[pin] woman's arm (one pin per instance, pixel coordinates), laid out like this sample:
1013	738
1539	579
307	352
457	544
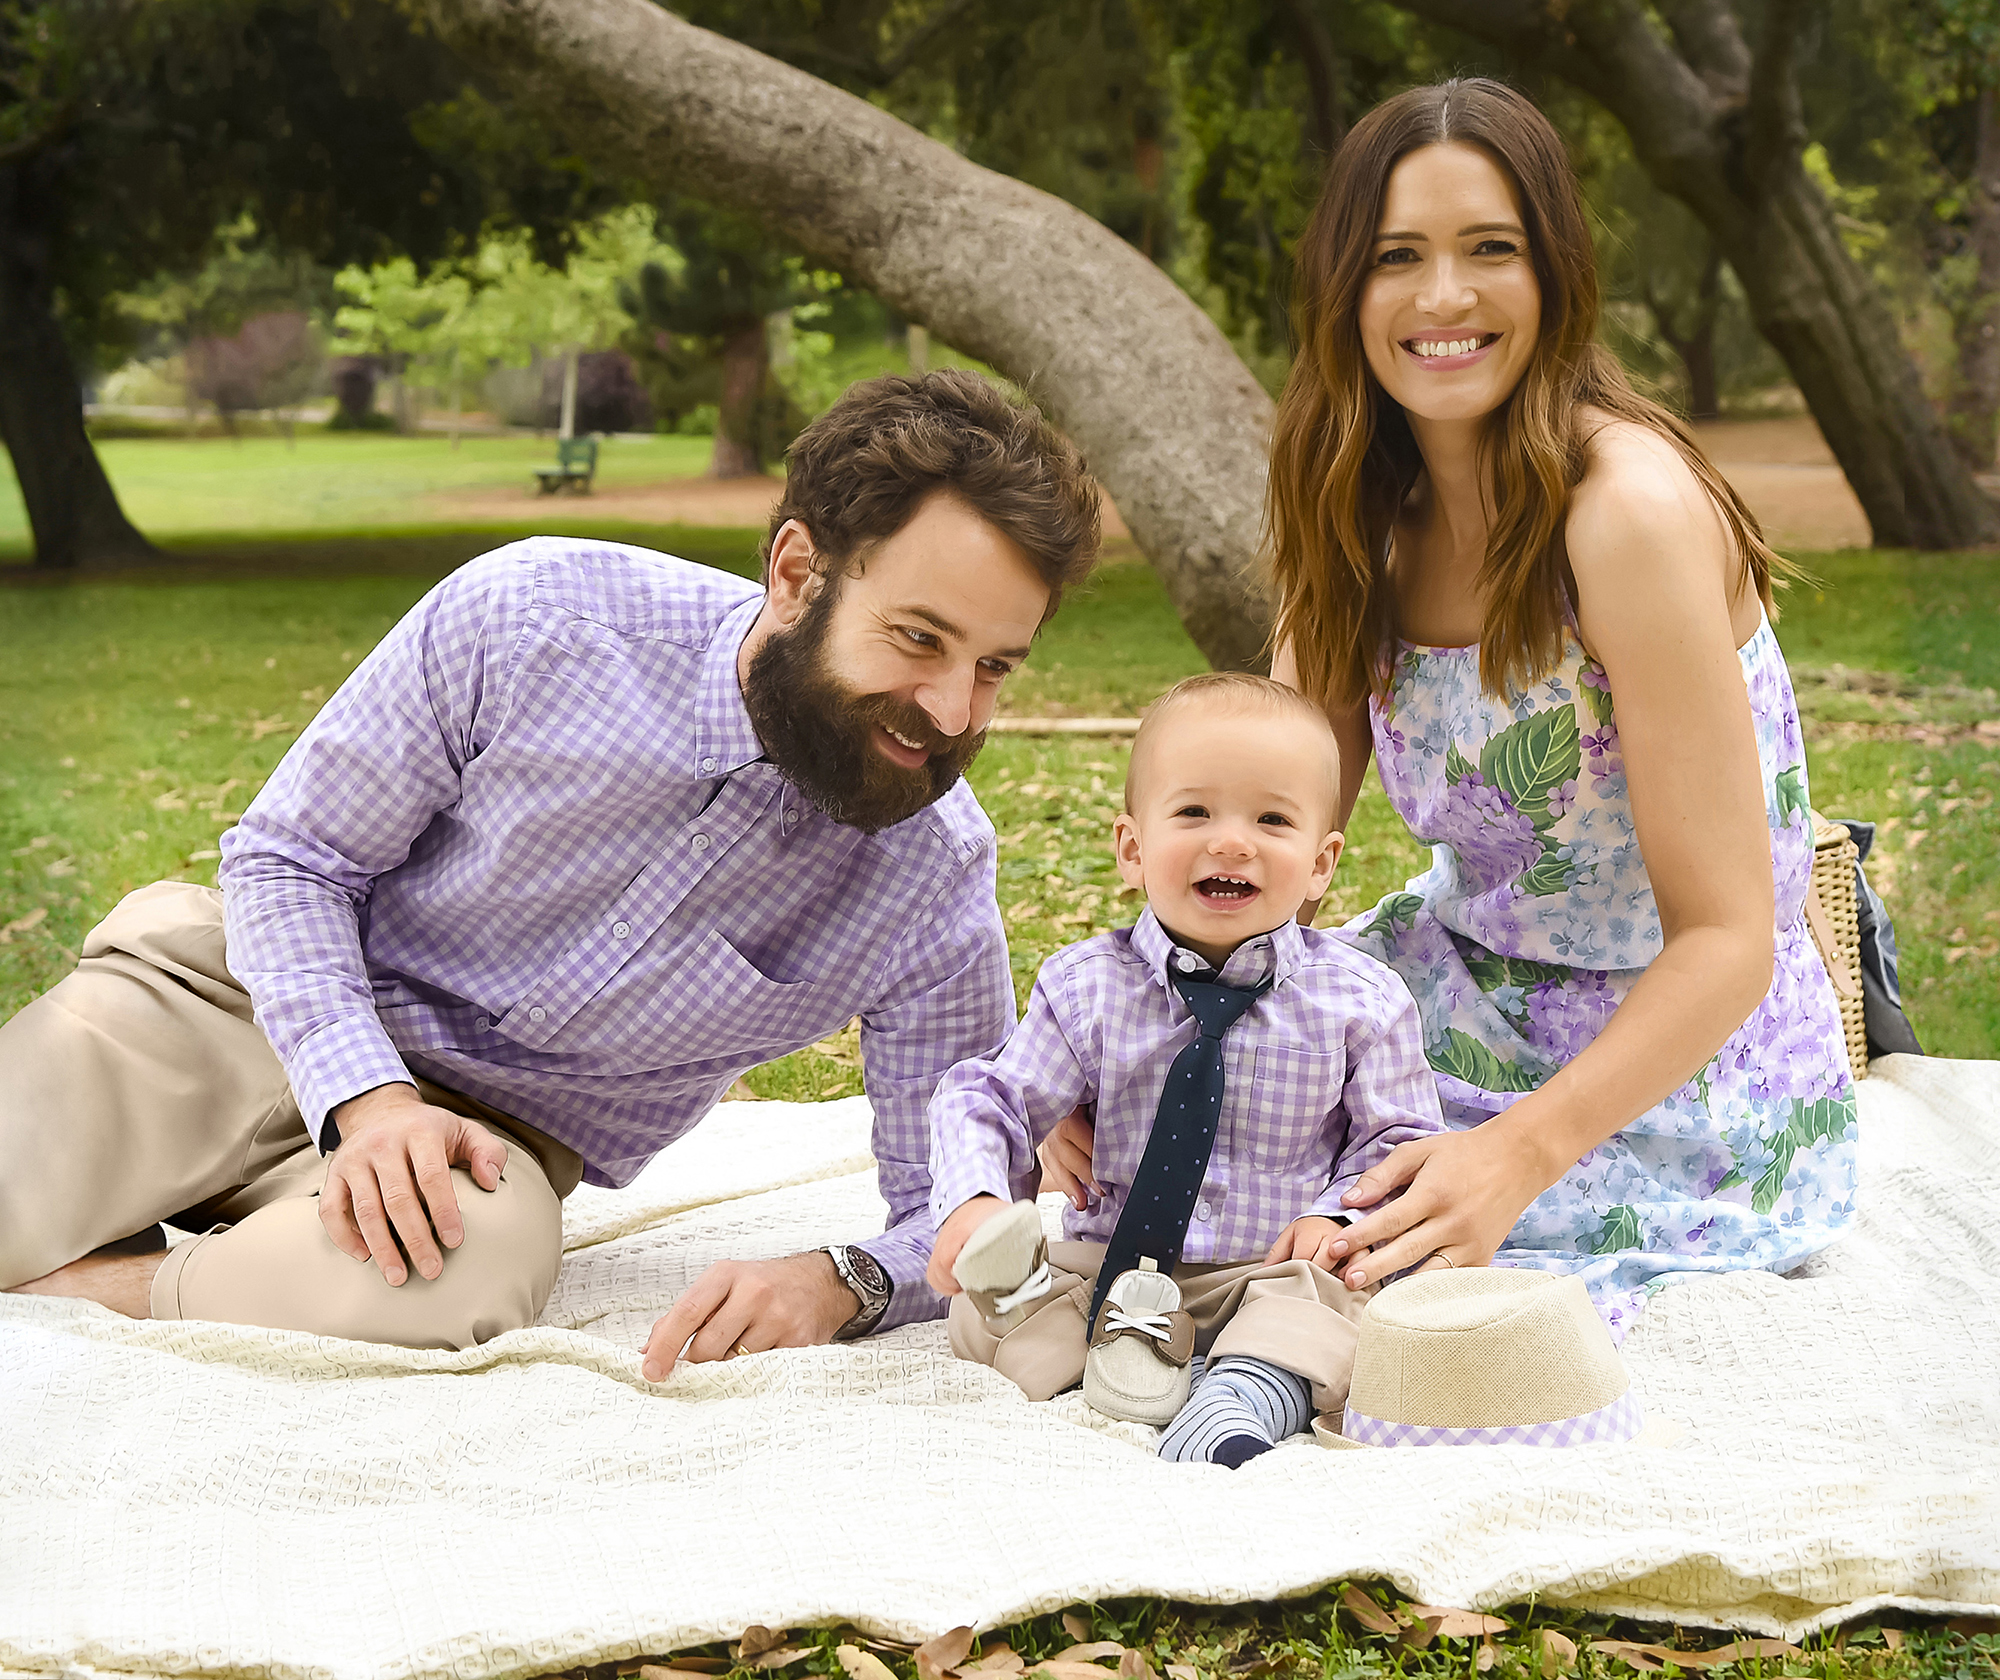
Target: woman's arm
1350	731
1655	587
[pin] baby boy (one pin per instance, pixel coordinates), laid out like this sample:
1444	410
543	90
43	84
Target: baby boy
1245	1071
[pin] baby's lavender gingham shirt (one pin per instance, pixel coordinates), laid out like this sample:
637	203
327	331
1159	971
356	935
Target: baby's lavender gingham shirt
531	851
1322	1077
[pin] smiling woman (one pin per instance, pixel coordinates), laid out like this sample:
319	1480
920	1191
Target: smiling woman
1482	535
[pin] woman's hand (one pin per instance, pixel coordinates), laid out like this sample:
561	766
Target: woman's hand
1065	1158
1464	1191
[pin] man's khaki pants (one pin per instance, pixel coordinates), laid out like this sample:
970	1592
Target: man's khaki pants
1292	1314
139	1089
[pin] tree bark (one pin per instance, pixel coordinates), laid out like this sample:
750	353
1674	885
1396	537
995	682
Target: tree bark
1696	346
746	366
72	509
1975	399
1172	422
1718	125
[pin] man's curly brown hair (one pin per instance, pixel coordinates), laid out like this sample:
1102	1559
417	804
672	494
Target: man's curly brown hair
858	474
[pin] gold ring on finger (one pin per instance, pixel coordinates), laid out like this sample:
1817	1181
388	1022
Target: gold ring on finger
738	1350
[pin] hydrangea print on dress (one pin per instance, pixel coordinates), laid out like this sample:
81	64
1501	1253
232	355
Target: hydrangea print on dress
1536	917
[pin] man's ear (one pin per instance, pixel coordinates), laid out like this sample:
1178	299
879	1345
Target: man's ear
1322	871
1125	848
790	580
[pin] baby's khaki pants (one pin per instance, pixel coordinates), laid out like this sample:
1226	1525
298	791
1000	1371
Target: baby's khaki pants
1291	1314
139	1089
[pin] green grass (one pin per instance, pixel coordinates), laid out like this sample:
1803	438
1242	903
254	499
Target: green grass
1333	1635
329	481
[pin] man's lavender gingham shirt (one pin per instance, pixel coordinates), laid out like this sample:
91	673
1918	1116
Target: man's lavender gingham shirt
531	851
1322	1077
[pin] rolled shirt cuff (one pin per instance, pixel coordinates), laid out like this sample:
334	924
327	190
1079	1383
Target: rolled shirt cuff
904	1252
342	1059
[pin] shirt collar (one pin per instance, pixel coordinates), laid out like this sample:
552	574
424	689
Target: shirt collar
724	739
1275	954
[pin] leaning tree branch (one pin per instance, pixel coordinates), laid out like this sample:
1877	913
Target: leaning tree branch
1711	39
1777	119
1123	360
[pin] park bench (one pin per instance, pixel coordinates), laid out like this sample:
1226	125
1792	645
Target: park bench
576	466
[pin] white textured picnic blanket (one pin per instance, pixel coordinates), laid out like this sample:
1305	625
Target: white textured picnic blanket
181	1498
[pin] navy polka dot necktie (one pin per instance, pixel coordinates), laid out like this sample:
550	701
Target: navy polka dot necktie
1161	1201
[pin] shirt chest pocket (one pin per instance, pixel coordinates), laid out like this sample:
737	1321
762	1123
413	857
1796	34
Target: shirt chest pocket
726	1006
1292	1093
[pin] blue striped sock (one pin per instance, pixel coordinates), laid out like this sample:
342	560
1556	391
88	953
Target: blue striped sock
1241	1407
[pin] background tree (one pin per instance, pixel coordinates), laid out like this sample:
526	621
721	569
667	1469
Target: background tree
731	280
133	129
1124	361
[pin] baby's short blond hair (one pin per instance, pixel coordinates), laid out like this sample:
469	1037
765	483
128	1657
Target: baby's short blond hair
1238	691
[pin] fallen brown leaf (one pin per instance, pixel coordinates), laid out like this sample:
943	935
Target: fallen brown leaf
1133	1665
1736	1651
946	1651
1367	1612
996	1659
1090	1651
1183	1671
673	1671
1893	1638
757	1639
862	1665
1056	1669
1645	1658
1487	1657
697	1665
1558	1652
1077	1627
21	924
783	1657
1456	1624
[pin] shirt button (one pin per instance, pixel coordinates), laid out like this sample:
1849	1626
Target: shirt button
790	818
538	1013
1201	1210
708	766
480	1023
699	842
1188	962
620	929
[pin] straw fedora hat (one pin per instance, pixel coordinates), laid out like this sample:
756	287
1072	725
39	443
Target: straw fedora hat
1473	1357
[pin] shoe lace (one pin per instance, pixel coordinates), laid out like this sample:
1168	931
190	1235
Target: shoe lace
1147	1324
1033	1287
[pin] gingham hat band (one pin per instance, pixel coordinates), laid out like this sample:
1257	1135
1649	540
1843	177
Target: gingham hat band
1620	1421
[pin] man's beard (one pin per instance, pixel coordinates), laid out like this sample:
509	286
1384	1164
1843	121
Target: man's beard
820	733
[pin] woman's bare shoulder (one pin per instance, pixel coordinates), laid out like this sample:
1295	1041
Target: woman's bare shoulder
1638	493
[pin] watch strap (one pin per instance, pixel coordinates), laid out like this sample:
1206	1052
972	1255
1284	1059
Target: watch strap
859	1275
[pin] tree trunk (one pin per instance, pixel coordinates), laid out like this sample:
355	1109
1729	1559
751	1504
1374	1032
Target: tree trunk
746	365
1696	346
1975	399
566	421
1719	127
1172	422
72	509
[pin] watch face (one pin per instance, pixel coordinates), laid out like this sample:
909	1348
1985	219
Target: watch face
868	1271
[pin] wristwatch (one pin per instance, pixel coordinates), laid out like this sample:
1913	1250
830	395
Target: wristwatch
863	1274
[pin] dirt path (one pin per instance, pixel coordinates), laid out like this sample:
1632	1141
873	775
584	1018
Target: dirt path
1782	468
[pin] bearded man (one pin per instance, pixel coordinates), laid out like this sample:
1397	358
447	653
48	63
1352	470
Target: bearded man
590	833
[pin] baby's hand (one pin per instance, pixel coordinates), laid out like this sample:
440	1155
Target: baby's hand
1311	1238
959	1225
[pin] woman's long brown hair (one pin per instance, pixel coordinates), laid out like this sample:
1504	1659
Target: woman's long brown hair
1343	460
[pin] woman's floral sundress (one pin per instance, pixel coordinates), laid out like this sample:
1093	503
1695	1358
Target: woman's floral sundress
1534	920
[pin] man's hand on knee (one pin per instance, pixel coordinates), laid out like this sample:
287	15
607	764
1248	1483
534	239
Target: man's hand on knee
747	1306
391	1178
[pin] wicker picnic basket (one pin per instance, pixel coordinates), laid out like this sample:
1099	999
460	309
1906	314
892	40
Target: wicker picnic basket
1833	918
